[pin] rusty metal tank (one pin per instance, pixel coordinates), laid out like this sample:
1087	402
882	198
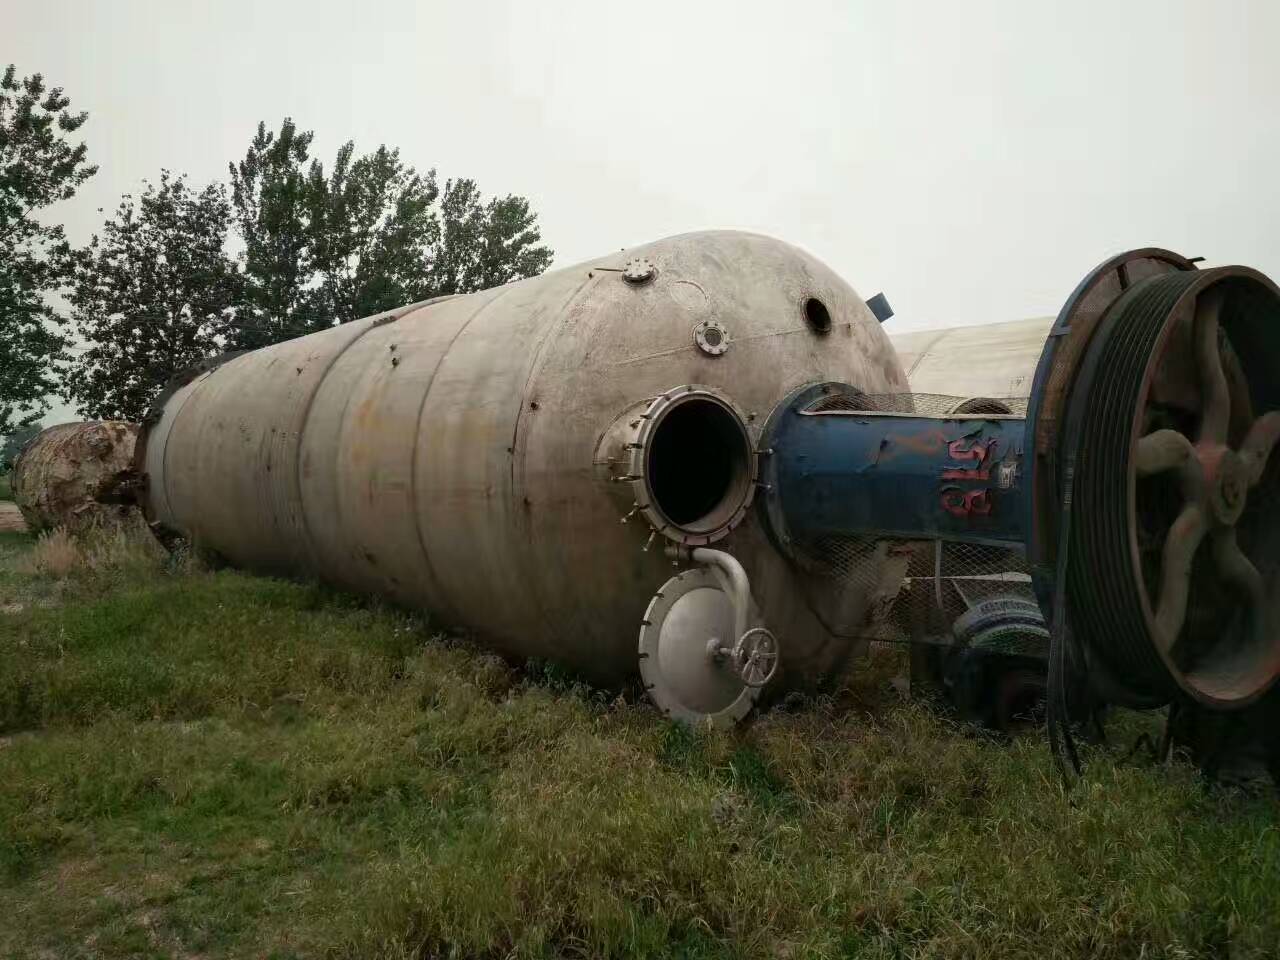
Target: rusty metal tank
76	475
519	461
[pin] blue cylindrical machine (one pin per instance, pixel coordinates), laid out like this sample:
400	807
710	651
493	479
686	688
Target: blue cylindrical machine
833	469
1133	504
937	486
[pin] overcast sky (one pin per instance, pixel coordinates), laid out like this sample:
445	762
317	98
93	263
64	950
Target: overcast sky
972	160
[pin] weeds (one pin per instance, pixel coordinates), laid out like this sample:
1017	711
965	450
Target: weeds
99	549
56	554
216	764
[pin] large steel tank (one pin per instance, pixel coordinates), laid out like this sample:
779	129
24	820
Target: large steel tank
476	456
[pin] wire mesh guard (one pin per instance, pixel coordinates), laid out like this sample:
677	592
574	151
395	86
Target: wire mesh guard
901	591
915	591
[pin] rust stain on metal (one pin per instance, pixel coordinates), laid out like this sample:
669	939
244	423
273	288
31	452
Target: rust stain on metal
929	443
76	474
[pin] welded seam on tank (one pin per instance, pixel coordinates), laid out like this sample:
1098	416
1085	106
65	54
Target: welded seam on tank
433	579
732	340
373	323
535	365
920	357
377	320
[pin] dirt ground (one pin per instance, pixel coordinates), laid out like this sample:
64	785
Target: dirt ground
10	518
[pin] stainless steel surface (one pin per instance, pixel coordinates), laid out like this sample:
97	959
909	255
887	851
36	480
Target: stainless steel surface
991	360
733	580
458	456
711	337
685	461
688	641
639	270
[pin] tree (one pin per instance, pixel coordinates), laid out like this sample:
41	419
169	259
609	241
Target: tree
38	167
14	443
484	244
153	294
368	235
372	227
272	201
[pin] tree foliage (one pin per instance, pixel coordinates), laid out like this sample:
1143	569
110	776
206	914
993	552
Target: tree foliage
156	290
269	191
39	166
152	294
372	225
483	244
14	443
368	234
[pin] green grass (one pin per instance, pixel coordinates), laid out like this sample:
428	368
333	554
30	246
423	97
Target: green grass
212	764
6	492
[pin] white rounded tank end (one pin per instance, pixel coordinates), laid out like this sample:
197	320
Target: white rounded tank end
991	360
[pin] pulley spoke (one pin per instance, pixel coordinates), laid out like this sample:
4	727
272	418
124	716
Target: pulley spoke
1215	397
1162	450
1180	545
1258	444
1238	570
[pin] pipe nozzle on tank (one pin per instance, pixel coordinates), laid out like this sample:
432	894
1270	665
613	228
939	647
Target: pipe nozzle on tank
684	461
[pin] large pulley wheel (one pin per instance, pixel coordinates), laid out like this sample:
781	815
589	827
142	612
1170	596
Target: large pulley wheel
1057	371
1175	558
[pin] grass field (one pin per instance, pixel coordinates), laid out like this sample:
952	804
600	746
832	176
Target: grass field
5	493
202	764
